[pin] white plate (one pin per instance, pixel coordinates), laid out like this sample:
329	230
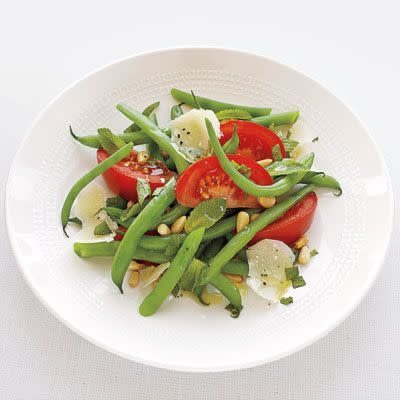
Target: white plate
351	232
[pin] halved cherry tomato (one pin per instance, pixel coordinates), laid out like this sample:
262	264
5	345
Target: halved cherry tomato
255	141
206	179
120	236
293	224
122	177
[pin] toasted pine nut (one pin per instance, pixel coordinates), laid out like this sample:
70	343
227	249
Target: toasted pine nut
304	256
178	225
135	266
134	279
265	163
243	219
299	243
142	156
266	201
254	217
163	230
154	284
234	278
130	204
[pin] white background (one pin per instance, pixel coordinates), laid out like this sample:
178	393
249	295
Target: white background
352	47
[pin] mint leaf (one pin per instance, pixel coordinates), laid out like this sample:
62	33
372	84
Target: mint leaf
298	282
313	252
286	300
192	275
157	191
291	273
276	152
108	141
143	189
147	111
102	229
286	166
289	145
233	114
117	202
206	214
231	146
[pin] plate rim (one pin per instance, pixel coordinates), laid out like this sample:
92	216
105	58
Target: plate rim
364	289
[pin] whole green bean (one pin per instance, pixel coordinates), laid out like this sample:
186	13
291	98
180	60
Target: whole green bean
228	289
286	118
155	133
171	277
213	248
247	233
171	216
108	249
248	186
215	105
89	177
321	181
236	267
147	218
176	111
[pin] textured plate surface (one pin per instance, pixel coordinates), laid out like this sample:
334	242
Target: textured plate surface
347	231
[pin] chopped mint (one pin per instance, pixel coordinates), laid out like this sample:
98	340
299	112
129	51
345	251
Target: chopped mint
298	282
206	214
286	300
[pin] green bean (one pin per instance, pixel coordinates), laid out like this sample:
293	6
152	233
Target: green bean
171	216
236	267
215	105
176	111
287	118
228	289
321	180
147	218
108	249
213	248
247	233
155	133
247	185
89	177
171	277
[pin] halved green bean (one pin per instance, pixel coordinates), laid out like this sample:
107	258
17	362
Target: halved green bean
89	177
236	267
155	133
286	118
321	180
108	249
147	218
246	184
228	289
215	105
172	275
176	111
247	233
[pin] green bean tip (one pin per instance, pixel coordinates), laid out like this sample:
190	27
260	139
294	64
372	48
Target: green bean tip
73	134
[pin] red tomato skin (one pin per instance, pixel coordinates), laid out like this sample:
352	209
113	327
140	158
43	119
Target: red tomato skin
255	141
293	224
122	179
189	185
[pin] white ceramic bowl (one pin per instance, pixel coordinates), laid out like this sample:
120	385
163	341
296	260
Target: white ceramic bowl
351	232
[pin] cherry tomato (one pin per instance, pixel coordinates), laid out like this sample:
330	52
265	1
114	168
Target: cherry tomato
206	179
255	141
293	224
122	177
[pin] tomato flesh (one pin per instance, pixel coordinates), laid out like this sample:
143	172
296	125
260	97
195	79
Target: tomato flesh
255	141
206	179
293	224
122	177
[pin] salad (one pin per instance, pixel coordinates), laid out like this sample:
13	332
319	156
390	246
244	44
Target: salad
214	203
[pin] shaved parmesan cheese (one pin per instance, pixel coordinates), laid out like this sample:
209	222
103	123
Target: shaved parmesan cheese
151	274
268	260
189	132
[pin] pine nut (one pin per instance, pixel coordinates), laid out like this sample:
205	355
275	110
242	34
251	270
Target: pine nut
130	204
266	201
265	163
254	217
163	230
143	156
299	243
234	278
243	219
135	266
304	256
178	225
134	279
